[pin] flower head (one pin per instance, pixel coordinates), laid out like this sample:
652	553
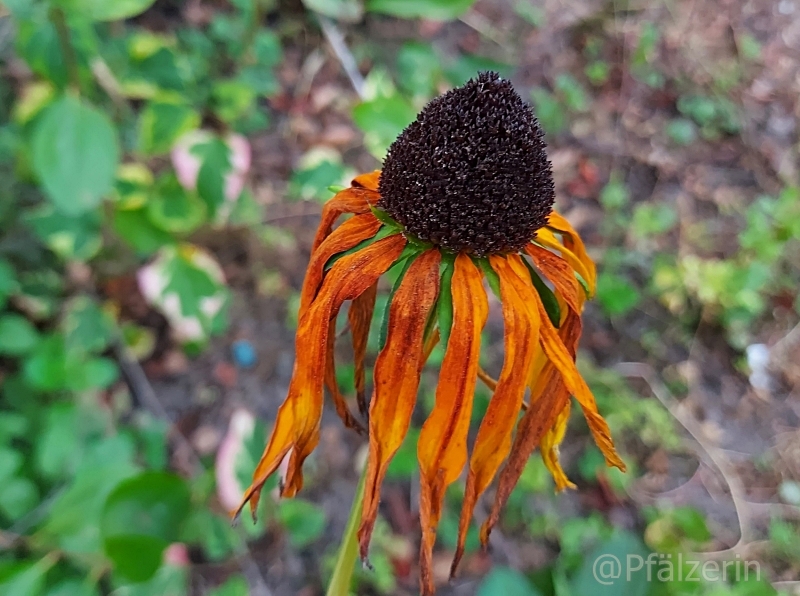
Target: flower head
464	202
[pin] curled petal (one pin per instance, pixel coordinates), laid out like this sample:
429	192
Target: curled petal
350	200
547	238
493	442
573	242
297	423
549	447
360	317
560	273
442	445
349	234
397	373
368	181
558	354
332	385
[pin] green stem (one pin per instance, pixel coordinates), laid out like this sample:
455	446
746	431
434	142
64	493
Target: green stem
348	551
59	21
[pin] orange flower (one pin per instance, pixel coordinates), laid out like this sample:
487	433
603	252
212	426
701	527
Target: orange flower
464	201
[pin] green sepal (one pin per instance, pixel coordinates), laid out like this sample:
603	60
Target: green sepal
335	188
406	258
491	276
383	232
384	218
549	299
445	303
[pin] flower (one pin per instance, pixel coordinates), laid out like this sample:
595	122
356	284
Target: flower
465	197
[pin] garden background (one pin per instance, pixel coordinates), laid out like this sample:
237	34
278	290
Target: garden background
162	170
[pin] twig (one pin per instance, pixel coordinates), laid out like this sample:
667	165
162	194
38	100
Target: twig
343	53
713	453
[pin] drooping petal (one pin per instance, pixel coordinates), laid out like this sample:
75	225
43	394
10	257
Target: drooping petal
493	442
549	447
350	200
549	396
442	444
332	385
368	181
573	242
349	234
558	354
360	317
397	374
547	238
559	272
297	423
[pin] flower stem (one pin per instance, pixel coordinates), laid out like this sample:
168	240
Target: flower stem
59	21
348	551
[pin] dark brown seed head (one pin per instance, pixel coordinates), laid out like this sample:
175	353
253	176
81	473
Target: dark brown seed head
471	173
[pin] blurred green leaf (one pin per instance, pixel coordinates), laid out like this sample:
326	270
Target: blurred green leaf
616	294
140	519
46	367
162	122
382	120
87	328
25	579
343	10
234	586
73	588
105	10
304	521
572	91
436	10
528	10
418	68
215	158
18	496
468	66
71	238
232	99
548	110
17	335
135	228
651	219
506	581
75	155
174	209
8	282
620	553
615	194
681	131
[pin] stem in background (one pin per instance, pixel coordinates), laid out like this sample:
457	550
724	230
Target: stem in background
252	31
59	21
348	551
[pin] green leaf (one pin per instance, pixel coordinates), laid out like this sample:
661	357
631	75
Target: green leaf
175	209
95	373
435	10
75	155
313	183
401	265
25	579
549	110
232	100
418	68
344	10
18	496
10	462
17	335
382	120
135	228
620	554
549	299
46	368
87	328
71	238
105	10
58	448
216	163
467	67
404	463
616	294
162	122
304	521
73	587
508	582
141	517
8	282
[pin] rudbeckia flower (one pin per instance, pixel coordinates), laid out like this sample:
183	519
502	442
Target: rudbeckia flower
464	204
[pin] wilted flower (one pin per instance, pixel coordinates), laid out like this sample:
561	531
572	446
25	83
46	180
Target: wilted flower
465	196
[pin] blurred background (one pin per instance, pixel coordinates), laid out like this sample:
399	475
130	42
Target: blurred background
162	170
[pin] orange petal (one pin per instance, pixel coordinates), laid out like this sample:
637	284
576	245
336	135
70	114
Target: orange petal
332	385
368	181
397	371
549	448
559	272
360	317
573	242
297	423
547	238
493	441
350	200
349	234
442	446
558	354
